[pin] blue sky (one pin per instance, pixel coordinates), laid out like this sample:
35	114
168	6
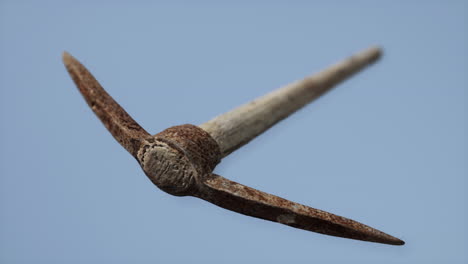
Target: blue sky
388	148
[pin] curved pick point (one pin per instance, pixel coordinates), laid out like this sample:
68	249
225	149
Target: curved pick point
119	123
252	202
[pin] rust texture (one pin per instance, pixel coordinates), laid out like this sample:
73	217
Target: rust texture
177	159
119	123
196	144
249	201
180	161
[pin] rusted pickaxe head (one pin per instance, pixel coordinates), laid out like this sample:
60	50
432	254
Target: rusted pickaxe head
180	160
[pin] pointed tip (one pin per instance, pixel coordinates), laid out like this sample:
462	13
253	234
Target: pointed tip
390	240
398	242
375	235
347	228
67	58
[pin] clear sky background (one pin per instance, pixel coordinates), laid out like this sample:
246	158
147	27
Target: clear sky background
388	147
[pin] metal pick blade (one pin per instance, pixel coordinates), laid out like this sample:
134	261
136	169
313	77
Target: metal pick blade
119	123
249	201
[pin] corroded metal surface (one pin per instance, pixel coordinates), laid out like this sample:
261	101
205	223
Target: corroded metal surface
177	159
249	201
119	123
180	159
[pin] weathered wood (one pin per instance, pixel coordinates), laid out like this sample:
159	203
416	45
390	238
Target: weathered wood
236	128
